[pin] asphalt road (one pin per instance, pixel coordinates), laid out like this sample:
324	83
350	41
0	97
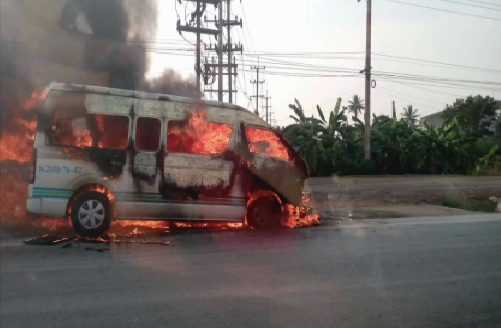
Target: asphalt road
426	272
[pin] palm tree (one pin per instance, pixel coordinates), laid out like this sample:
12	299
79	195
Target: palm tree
410	115
356	105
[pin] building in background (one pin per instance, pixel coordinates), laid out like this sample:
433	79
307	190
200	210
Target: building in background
433	119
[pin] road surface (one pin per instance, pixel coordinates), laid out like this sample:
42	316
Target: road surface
426	272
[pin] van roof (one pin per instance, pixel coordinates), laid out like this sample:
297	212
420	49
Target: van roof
140	95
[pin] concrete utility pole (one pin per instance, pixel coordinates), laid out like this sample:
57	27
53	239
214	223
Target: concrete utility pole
267	107
198	30
221	49
367	70
257	96
220	56
230	85
199	71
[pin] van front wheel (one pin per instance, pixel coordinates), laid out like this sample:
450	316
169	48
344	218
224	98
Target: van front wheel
264	213
90	214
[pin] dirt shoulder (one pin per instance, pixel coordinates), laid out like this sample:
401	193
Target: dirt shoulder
398	196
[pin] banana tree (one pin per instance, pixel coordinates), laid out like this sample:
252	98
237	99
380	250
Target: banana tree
310	136
442	149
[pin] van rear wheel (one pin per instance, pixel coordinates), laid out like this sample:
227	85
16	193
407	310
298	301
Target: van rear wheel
90	214
264	213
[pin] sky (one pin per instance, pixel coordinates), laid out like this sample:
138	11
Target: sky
340	26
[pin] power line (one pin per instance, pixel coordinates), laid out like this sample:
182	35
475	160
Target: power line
418	98
467	4
412	85
450	87
437	62
485	3
392	95
444	10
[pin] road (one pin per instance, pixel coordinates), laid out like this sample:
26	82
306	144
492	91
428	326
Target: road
426	272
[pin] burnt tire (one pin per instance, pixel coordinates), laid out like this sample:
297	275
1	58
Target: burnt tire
91	214
264	213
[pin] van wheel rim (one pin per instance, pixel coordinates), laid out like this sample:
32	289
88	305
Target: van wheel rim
91	214
261	217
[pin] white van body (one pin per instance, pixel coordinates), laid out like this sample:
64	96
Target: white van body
140	188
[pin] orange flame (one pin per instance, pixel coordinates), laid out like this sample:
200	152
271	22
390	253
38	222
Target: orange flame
17	138
265	142
197	136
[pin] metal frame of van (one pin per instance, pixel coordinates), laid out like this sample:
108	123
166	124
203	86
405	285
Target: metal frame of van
157	185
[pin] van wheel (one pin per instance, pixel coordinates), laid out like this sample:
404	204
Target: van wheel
90	214
264	213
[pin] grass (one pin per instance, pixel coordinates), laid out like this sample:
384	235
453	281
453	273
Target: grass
474	204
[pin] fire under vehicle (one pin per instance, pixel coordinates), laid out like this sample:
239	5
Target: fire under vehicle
104	154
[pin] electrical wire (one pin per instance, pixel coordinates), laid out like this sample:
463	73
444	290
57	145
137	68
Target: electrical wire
392	95
437	62
467	4
485	3
418	98
411	85
444	10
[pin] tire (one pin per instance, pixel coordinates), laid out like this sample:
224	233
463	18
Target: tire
264	213
90	214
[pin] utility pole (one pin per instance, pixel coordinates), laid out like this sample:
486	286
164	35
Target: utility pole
221	49
199	71
267	107
198	30
230	85
257	96
367	70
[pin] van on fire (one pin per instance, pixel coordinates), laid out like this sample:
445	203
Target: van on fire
103	154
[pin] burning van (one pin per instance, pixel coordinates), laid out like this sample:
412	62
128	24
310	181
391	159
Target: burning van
104	154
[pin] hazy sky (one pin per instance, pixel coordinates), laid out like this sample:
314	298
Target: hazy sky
339	26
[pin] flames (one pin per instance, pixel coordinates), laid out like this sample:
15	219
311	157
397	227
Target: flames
265	142
17	137
292	216
197	136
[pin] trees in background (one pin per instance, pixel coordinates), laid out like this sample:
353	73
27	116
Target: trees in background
410	115
356	105
331	146
471	114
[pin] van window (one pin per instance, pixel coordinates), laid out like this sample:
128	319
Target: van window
70	129
265	142
148	132
197	136
110	131
104	131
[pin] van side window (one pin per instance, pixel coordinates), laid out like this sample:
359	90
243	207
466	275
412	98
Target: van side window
197	137
109	131
104	131
148	132
69	129
265	142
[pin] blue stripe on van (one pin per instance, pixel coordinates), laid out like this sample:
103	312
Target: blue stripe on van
138	197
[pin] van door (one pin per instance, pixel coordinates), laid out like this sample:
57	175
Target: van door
273	162
198	175
143	199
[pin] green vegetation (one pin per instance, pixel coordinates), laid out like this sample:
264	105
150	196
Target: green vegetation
475	204
398	146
